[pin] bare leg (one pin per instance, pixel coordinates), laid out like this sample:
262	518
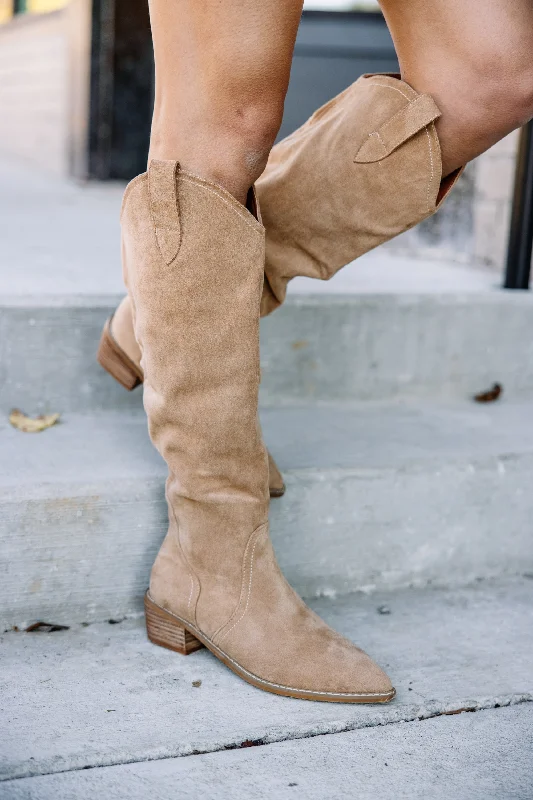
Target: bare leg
222	71
475	59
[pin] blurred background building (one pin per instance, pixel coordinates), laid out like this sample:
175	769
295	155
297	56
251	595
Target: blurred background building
76	86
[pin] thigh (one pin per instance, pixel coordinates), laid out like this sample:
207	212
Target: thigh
493	33
243	48
475	59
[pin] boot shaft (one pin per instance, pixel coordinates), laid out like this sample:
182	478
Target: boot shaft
363	169
193	264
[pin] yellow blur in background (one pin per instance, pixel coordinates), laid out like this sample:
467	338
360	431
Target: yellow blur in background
42	6
8	8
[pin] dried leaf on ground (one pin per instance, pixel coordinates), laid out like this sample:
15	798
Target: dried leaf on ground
32	424
300	344
45	627
489	396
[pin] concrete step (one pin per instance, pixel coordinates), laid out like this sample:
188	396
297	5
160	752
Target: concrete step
482	756
103	695
364	346
379	495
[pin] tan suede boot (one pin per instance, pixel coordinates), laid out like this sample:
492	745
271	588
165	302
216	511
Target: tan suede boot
364	168
194	262
120	355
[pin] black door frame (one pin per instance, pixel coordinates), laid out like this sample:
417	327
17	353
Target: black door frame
520	248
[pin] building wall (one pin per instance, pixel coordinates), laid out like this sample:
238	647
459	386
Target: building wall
6	10
34	90
495	171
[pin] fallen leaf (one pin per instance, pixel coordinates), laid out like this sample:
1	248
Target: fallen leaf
489	396
32	424
196	684
300	344
45	627
458	711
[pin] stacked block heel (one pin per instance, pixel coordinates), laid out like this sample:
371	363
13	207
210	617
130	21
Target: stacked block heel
115	361
166	631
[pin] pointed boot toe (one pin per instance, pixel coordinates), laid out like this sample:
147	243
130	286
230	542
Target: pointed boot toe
287	648
358	674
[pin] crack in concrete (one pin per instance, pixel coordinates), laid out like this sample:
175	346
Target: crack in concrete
417	714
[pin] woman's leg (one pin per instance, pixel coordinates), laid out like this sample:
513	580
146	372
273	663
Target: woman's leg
222	71
475	59
194	266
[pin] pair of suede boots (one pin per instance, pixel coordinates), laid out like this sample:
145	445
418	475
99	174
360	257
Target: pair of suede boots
200	271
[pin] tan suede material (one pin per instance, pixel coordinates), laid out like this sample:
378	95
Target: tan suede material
303	652
363	169
197	325
193	262
123	333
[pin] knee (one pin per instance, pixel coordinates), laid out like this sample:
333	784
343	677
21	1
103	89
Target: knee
501	83
253	127
227	137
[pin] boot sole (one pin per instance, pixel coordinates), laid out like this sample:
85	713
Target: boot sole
119	365
170	631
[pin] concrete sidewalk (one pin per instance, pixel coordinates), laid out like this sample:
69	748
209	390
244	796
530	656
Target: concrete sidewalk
102	695
481	756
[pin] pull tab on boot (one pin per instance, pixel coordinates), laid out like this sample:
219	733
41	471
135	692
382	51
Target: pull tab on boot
164	206
398	129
